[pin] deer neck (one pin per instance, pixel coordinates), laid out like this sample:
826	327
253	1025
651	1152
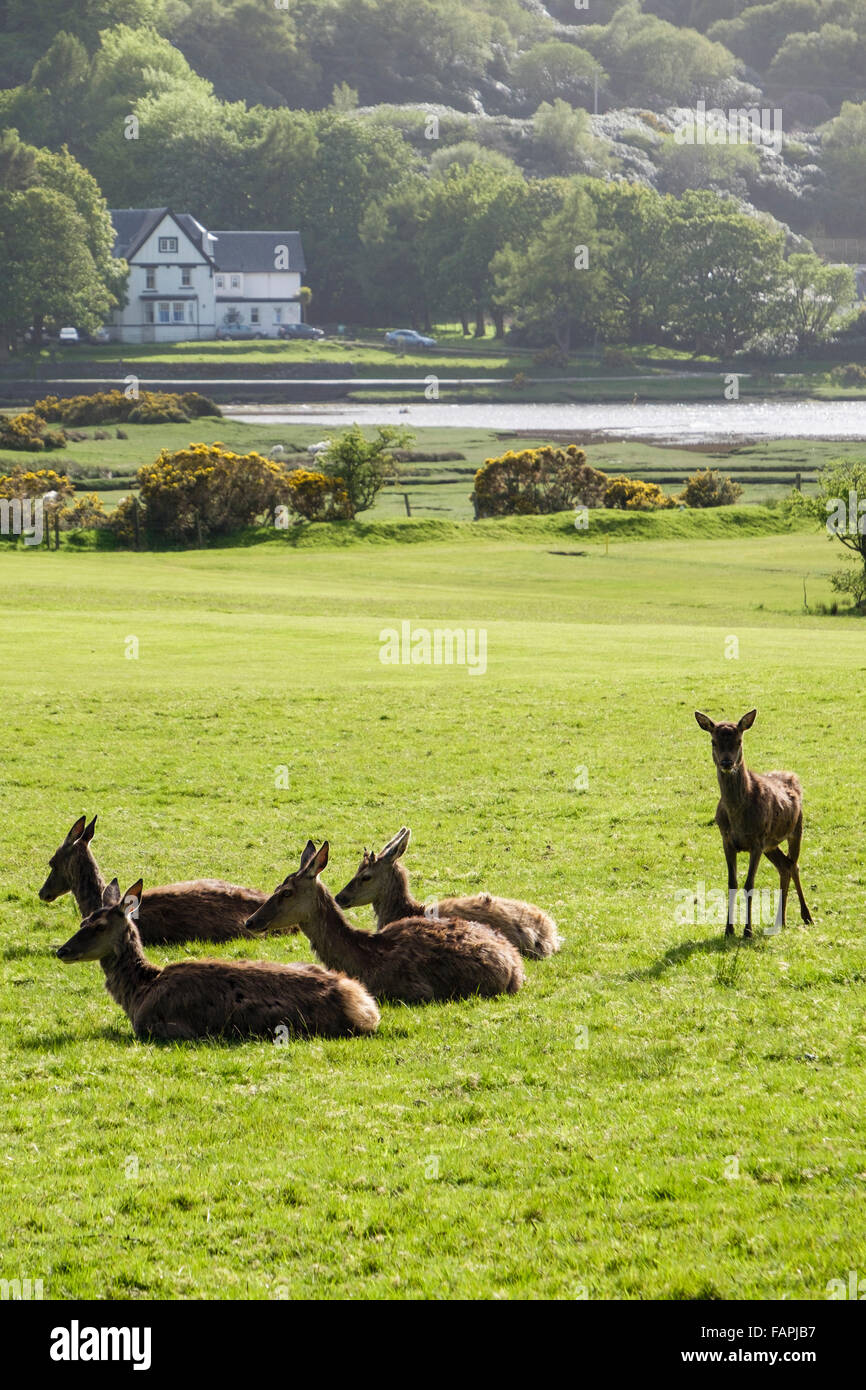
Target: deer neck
395	900
735	786
128	972
87	882
336	942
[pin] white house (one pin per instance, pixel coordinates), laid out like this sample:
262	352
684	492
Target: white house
187	282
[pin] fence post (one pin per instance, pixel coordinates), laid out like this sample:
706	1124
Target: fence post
406	502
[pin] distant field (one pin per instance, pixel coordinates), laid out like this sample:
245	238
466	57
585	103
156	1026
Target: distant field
655	1115
439	488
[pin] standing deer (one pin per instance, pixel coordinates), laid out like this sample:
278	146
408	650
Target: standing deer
203	909
755	814
208	998
414	961
383	881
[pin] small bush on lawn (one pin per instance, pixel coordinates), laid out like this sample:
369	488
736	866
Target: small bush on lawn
316	497
633	495
27	432
115	407
710	488
206	490
86	514
852	374
537	481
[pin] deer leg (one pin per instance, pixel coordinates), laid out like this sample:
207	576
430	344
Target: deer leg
754	861
731	861
794	841
785	867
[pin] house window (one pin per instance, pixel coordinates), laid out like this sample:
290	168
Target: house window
151	279
221	282
236	282
186	277
178	314
254	315
148	313
165	313
278	316
168	243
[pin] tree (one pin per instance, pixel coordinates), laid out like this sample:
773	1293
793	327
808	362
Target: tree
724	274
556	285
840	506
392	239
563	137
555	70
844	158
362	466
816	292
635	219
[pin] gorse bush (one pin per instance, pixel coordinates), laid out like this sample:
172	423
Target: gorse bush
27	432
852	374
710	488
23	483
633	495
317	497
537	481
206	490
115	407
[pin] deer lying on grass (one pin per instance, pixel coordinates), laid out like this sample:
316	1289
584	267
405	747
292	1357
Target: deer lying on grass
413	961
207	998
755	814
383	881
203	909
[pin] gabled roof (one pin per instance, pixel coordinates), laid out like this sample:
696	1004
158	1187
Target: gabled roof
132	227
256	251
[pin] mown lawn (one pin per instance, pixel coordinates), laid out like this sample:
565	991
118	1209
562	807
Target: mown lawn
654	1115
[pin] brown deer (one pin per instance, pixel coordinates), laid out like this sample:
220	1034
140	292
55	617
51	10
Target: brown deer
414	961
383	881
209	998
755	814
203	909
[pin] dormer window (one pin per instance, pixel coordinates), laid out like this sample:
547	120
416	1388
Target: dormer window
168	244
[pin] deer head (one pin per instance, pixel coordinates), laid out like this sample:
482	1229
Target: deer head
727	740
62	878
99	933
294	901
373	872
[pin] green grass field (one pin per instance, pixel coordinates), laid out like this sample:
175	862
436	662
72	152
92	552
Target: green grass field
654	1116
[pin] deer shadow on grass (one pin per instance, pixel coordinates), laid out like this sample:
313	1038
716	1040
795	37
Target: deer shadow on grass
677	955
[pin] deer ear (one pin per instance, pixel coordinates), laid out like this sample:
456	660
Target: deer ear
111	894
747	720
318	862
76	830
87	833
704	721
132	899
397	846
307	854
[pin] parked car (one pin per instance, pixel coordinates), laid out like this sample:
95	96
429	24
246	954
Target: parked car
98	336
407	337
68	335
239	330
300	330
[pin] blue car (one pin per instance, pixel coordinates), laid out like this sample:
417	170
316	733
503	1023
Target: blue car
407	337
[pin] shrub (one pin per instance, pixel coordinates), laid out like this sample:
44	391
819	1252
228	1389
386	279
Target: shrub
615	357
122	523
633	495
710	488
552	356
86	514
26	483
27	432
364	465
206	489
852	374
115	407
537	481
317	497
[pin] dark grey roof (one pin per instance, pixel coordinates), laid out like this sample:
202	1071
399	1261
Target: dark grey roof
256	251
132	226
